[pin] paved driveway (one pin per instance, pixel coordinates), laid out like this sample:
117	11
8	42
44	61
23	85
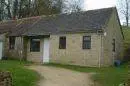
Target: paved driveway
53	76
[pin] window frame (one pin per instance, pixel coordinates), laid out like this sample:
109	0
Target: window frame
31	45
114	45
12	42
62	42
85	42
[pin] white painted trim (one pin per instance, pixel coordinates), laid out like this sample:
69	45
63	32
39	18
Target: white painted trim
101	51
1	50
46	47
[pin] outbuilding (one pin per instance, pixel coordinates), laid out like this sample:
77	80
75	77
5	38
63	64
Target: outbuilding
90	38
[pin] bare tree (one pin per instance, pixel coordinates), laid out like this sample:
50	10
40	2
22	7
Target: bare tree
15	8
47	7
2	9
72	6
75	5
124	7
12	9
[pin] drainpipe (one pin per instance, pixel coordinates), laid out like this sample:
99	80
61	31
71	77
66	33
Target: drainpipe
21	50
101	54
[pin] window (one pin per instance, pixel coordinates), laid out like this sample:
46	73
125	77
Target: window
86	42
62	43
11	42
35	45
114	45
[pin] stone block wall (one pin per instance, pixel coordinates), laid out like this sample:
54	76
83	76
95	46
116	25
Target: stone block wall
17	52
113	31
74	54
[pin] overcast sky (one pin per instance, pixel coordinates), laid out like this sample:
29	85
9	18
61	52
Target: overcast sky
97	4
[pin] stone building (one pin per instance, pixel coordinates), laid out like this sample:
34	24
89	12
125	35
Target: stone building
90	38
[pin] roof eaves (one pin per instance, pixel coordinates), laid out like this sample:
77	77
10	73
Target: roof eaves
60	32
108	19
120	24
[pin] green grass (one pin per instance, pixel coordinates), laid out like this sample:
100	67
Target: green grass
108	76
21	76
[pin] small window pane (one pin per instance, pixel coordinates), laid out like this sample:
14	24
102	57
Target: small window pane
62	43
35	45
86	42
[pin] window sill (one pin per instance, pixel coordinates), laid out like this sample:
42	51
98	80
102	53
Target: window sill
11	49
34	51
87	49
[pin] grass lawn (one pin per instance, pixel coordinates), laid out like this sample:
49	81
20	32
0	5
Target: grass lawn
21	76
109	76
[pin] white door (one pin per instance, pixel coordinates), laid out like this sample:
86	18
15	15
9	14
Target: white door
1	49
46	50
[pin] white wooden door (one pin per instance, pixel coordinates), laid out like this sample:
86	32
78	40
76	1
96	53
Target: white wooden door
1	49
46	50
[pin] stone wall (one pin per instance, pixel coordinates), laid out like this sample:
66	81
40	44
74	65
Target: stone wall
35	56
2	38
5	79
112	32
74	54
17	52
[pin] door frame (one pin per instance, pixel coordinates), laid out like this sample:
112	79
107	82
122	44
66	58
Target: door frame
46	50
1	50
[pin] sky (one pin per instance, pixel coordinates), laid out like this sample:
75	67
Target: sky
97	4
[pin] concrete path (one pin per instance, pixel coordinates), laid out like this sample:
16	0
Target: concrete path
52	76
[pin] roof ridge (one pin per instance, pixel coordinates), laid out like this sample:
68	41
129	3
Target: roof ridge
4	21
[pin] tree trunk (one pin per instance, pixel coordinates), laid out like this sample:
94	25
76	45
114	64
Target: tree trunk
127	13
